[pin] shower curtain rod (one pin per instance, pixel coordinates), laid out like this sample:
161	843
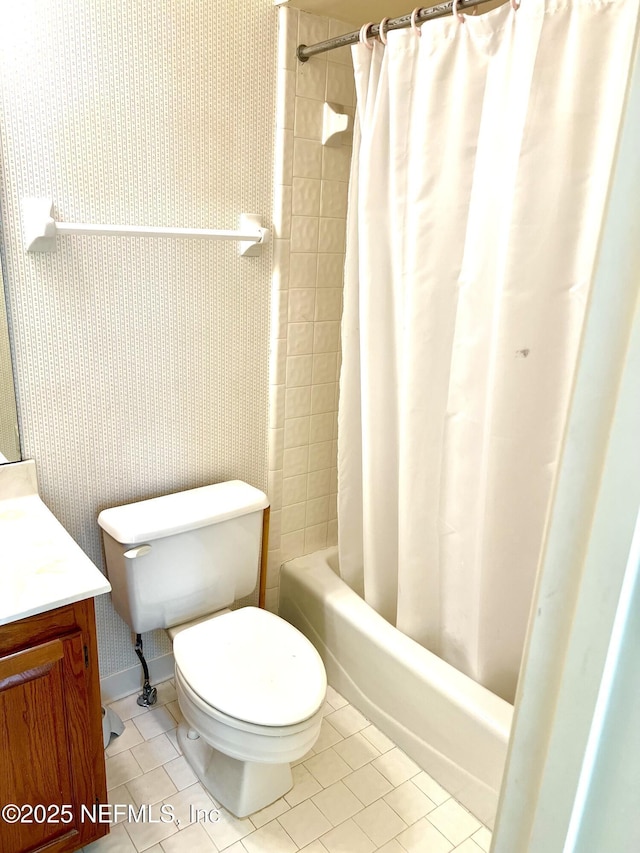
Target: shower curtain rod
305	52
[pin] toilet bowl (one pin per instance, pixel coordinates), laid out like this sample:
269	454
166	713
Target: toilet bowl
250	686
251	689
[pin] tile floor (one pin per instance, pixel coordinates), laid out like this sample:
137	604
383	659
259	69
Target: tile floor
356	792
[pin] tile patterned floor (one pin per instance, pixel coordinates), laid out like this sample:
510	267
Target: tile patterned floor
356	792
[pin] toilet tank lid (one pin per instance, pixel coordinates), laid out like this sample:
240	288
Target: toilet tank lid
167	515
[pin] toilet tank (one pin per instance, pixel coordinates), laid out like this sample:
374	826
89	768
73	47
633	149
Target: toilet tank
185	555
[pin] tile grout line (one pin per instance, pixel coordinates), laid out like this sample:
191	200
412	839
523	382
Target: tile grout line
350	725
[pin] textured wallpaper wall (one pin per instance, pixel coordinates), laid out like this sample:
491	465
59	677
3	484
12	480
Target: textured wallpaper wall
141	364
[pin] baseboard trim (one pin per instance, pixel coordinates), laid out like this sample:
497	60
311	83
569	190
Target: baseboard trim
127	681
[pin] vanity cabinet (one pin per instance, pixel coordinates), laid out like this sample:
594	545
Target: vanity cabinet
51	749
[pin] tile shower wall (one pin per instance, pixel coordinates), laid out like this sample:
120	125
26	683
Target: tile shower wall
311	184
141	364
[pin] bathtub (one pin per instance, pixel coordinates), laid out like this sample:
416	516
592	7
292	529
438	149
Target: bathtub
452	727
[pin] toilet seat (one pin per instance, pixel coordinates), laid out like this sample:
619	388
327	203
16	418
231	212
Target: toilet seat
246	741
252	667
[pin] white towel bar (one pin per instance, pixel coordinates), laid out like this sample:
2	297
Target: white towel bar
41	229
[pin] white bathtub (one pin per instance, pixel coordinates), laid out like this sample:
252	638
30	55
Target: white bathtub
452	727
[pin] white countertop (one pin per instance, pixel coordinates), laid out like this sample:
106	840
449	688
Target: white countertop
41	566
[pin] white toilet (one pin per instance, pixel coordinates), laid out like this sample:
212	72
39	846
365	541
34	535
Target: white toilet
250	686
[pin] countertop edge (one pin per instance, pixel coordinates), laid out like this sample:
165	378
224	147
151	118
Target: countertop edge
62	573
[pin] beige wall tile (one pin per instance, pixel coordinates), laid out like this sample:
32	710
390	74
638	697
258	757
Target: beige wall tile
332	533
320	455
283	172
326	337
321	427
318	483
312	29
304	233
287	37
310	224
299	370
280	311
317	511
277	361
330	270
298	402
331	235
292	545
296	432
294	490
275	526
271	600
324	367
308	119
296	461
334	199
300	340
302	302
281	263
307	159
276	405
303	271
328	304
293	518
274	491
340	84
276	447
315	538
312	79
336	163
285	103
282	212
306	196
323	398
343	54
333	506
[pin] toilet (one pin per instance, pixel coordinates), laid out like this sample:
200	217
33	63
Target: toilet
250	686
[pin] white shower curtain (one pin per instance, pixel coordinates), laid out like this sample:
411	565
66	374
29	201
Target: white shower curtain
481	166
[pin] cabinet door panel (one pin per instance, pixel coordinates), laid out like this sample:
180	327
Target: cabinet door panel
36	765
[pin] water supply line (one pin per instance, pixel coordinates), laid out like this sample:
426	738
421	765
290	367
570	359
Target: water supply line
149	695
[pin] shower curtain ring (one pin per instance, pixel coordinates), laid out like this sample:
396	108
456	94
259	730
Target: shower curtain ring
414	25
363	35
381	33
454	11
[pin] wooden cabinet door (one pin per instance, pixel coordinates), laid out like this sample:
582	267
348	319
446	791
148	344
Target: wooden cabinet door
43	722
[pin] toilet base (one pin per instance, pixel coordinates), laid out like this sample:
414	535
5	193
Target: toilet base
242	787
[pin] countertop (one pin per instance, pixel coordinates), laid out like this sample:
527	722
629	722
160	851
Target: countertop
41	566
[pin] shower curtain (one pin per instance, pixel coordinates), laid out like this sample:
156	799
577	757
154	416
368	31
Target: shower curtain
482	158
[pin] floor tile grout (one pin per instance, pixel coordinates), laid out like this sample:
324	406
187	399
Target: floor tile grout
391	806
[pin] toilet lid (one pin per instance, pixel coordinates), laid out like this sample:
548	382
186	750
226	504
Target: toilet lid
254	666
